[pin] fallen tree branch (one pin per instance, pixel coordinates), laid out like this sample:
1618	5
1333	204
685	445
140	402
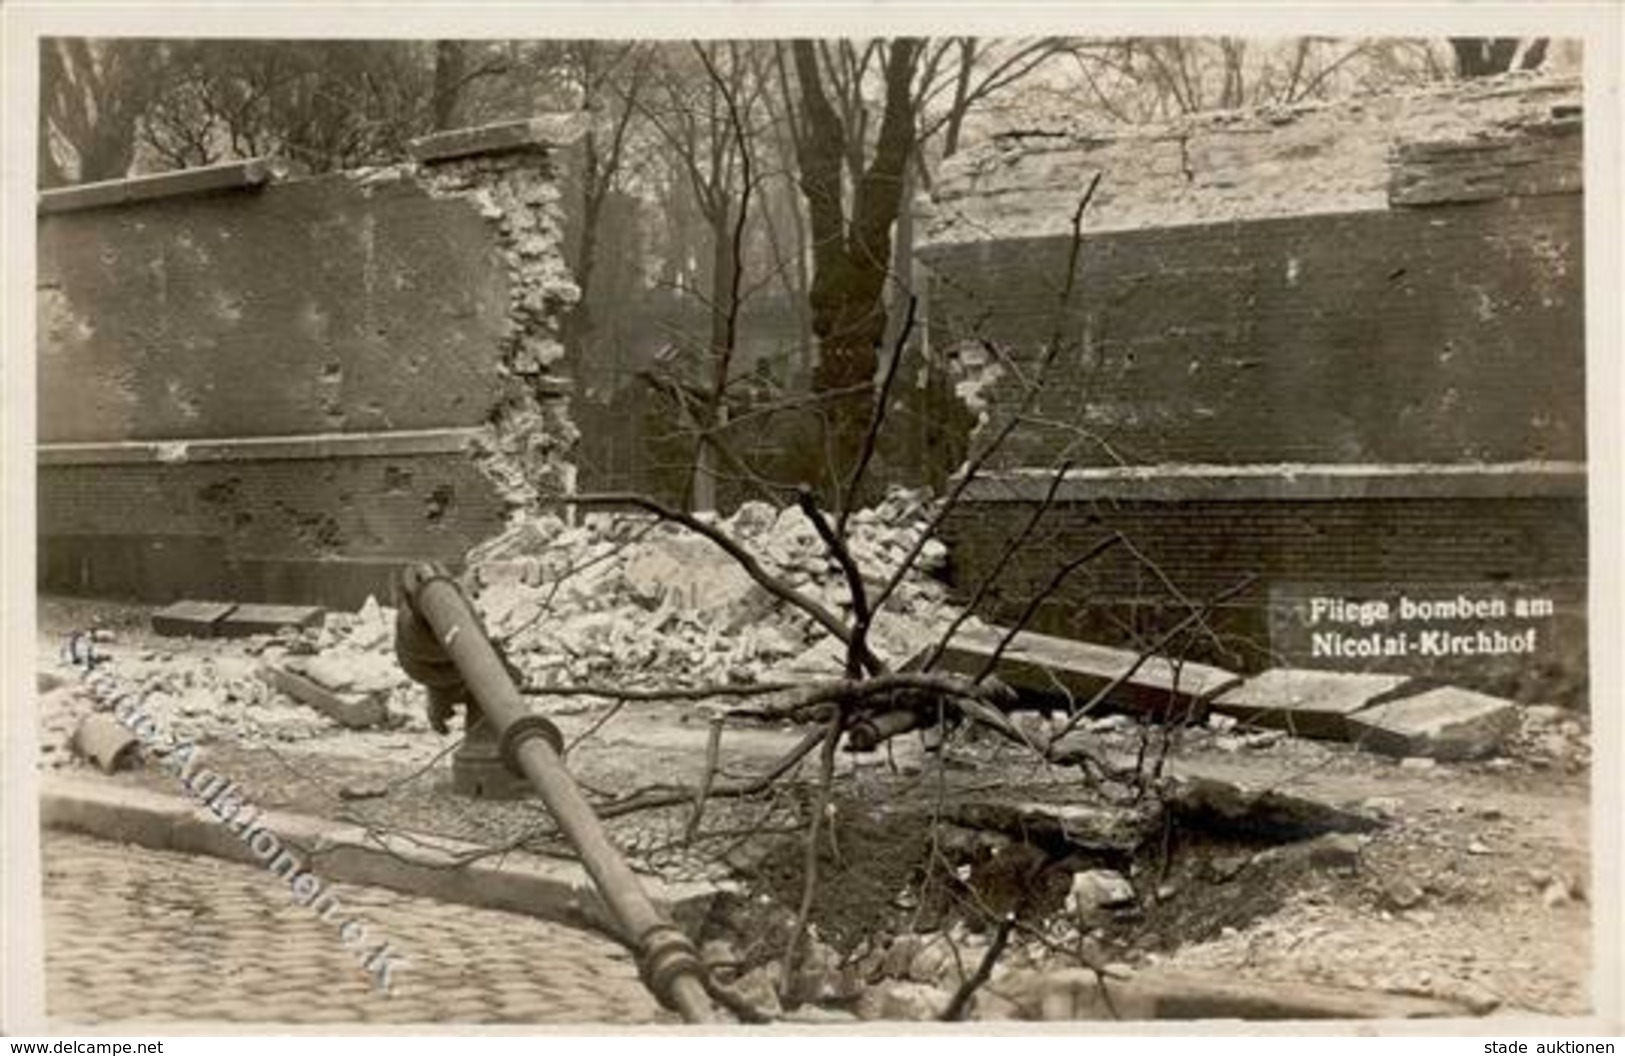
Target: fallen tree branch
984	971
754	689
1055	581
640	801
1173	632
1010	549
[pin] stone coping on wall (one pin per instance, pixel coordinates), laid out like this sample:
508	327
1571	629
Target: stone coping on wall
229	176
1285	481
536	133
393	444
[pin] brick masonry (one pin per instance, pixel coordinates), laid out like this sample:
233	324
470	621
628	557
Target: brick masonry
284	530
236	387
1351	549
1365	285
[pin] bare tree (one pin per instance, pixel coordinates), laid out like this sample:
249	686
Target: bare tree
93	94
1486	56
322	105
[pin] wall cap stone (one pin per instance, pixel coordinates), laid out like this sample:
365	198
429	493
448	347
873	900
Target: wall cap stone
1286	481
250	174
541	134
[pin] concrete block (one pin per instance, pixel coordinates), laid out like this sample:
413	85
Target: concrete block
1443	723
191	619
1305	703
354	710
1041	663
246	620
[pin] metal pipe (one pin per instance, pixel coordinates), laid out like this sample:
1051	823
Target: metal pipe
666	957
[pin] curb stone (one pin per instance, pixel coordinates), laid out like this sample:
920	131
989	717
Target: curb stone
411	863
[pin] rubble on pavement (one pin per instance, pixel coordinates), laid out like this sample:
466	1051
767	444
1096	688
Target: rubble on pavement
645	603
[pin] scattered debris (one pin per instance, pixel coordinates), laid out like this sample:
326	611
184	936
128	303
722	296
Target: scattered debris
354	710
1338	852
106	742
1097	889
651	604
1220	807
363	791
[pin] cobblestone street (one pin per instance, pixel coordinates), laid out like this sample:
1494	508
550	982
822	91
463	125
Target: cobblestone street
138	934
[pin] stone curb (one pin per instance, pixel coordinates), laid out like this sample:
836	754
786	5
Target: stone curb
411	863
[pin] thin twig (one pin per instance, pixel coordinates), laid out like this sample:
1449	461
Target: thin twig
713	748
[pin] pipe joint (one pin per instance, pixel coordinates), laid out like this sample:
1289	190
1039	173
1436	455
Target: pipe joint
667	955
523	729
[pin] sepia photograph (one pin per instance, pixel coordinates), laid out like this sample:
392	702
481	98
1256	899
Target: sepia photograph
817	531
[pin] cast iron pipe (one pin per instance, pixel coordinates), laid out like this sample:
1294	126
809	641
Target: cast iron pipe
531	745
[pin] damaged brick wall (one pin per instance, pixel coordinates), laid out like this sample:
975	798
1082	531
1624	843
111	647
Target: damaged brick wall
1317	293
509	174
280	391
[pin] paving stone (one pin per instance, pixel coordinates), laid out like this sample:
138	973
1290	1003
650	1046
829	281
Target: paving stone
1041	663
191	619
1444	723
101	931
1305	703
246	620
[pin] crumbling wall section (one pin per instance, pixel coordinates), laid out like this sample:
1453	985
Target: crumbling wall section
509	173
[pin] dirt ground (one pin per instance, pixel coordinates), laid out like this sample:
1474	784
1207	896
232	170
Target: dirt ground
1474	886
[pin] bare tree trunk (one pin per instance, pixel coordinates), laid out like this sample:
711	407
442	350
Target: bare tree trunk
1484	56
851	261
450	72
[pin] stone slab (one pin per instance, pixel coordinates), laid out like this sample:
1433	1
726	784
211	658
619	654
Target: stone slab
1305	703
414	863
1443	723
191	619
248	174
1041	663
247	620
535	133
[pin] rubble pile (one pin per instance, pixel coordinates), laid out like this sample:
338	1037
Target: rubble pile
648	603
1550	736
